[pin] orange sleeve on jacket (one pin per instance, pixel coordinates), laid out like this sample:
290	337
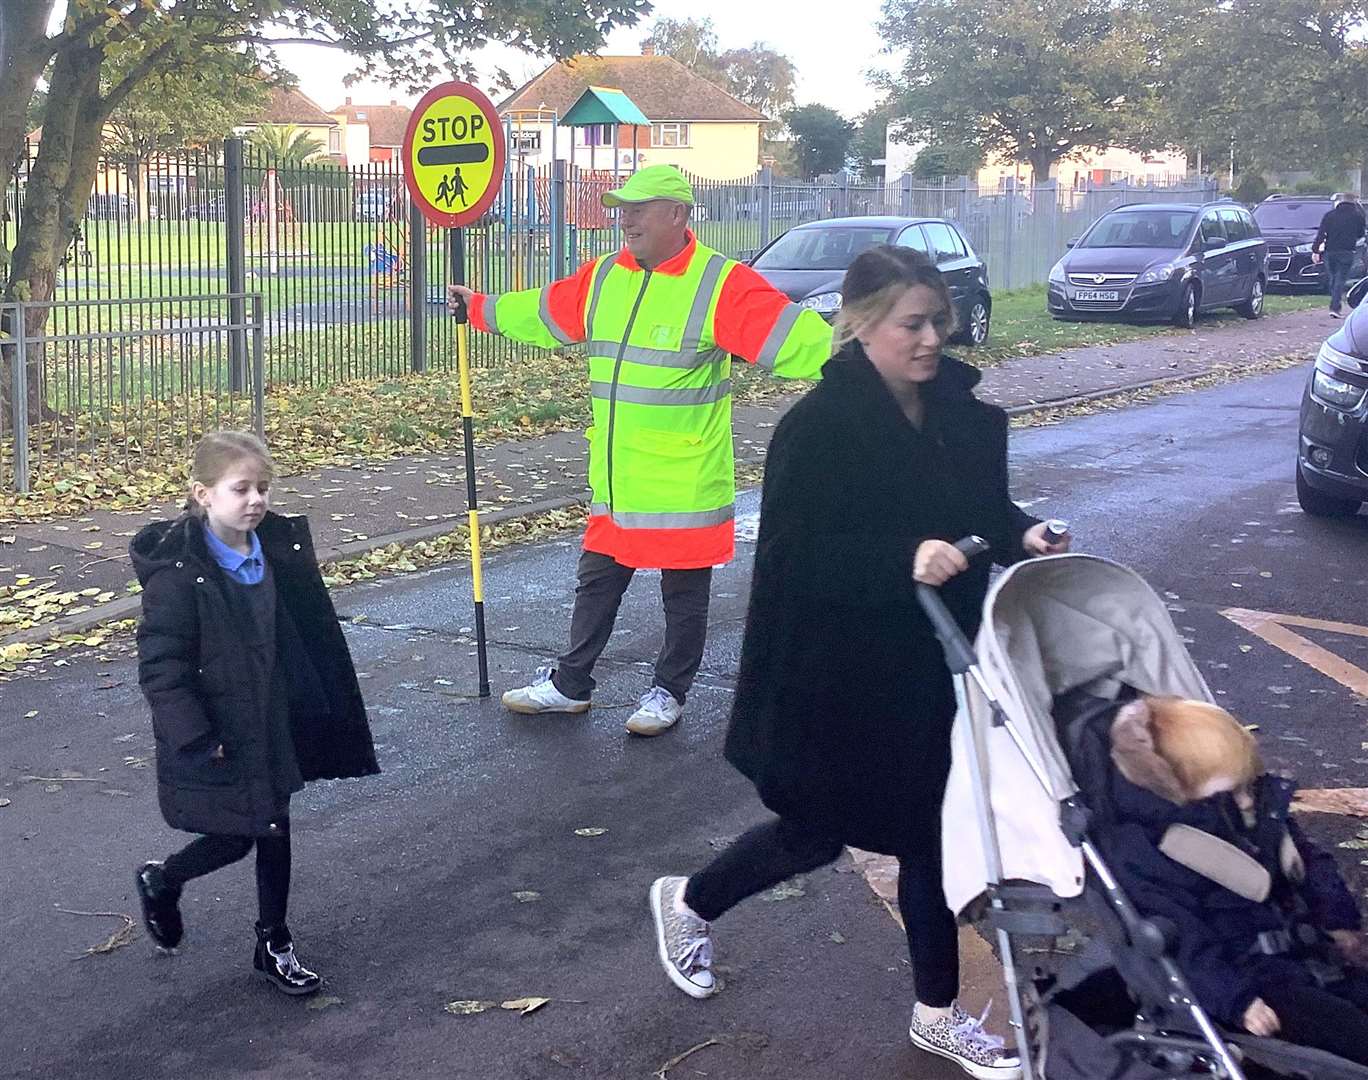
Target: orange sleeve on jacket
477	312
747	310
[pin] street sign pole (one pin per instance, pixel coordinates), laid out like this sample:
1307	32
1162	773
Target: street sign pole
468	437
454	152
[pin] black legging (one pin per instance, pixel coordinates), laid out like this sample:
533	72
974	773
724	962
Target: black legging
779	849
1334	1019
205	854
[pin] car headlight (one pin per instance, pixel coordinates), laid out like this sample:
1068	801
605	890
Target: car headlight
1336	393
827	303
1303	249
1156	274
1057	273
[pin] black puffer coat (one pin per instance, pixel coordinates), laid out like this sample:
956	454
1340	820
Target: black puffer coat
196	668
844	703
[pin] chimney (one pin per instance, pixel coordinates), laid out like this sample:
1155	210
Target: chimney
648	49
348	101
394	102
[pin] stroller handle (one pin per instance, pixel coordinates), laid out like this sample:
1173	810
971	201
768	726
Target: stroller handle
959	654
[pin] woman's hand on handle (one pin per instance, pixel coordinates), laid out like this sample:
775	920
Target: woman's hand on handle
935	562
1260	1020
1036	542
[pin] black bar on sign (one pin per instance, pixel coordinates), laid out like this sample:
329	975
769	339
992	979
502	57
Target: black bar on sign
454	154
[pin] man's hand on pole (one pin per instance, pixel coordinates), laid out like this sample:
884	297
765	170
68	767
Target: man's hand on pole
458	299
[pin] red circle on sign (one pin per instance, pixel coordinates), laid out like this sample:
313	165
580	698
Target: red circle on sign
447	218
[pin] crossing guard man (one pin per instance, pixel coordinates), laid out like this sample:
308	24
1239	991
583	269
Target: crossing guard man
662	318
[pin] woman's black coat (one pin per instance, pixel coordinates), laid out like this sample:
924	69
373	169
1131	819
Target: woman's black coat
196	669
844	703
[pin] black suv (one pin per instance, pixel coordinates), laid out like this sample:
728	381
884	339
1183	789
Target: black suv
1289	224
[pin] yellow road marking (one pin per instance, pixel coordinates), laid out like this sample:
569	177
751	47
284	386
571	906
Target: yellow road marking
1351	801
1273	628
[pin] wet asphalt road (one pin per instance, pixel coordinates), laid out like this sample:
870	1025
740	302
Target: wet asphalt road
404	884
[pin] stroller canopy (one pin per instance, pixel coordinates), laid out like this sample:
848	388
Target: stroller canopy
1050	625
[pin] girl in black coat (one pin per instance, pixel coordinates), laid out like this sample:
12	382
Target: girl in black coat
251	686
844	703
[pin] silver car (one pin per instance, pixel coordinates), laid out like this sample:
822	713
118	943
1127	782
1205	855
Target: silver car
1332	446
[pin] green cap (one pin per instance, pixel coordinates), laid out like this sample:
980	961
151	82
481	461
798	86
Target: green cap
652	182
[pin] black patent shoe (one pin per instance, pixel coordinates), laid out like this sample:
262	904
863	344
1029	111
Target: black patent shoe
278	965
160	906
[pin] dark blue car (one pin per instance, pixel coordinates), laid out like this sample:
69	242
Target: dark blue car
1162	261
1332	443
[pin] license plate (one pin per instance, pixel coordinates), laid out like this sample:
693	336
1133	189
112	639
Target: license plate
1097	294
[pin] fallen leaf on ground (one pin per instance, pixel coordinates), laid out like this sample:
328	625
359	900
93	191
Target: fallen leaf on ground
523	1006
467	1008
322	1002
590	832
526	896
116	940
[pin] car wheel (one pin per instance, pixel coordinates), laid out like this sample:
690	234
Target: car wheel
1186	315
1253	307
976	327
1319	504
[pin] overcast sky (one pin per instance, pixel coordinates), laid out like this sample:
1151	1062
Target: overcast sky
831	53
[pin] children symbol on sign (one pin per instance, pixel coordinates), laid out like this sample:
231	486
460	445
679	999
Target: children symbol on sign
449	190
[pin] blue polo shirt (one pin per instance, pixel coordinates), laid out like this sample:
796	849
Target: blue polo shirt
247	569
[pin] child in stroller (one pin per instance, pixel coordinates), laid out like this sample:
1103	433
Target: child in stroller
1202	840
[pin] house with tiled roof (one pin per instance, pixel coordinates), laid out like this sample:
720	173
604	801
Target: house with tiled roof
694	124
371	132
287	105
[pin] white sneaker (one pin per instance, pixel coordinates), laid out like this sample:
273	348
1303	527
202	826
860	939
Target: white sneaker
961	1038
683	942
541	696
659	711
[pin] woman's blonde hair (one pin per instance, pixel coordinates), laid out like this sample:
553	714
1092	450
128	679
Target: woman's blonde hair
875	282
218	452
1201	743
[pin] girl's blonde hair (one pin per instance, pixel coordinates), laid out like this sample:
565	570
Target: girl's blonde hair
1202	742
875	282
218	452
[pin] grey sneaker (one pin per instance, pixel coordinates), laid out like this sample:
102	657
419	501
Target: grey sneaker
683	941
961	1038
657	711
541	696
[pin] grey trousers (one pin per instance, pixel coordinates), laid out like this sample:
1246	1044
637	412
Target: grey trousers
598	593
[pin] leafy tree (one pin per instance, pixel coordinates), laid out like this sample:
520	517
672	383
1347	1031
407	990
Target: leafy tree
1027	80
1225	68
760	77
822	137
693	42
936	161
284	146
101	51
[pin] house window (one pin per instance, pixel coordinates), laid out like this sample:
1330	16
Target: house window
334	141
596	135
669	134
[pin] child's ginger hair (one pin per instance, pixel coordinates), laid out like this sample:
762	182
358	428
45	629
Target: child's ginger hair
1199	743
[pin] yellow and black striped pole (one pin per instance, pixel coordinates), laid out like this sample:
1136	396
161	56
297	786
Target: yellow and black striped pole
462	317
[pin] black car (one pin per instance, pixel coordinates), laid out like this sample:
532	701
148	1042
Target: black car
1162	261
1332	443
1289	223
808	262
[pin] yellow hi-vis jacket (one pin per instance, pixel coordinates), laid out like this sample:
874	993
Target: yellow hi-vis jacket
660	343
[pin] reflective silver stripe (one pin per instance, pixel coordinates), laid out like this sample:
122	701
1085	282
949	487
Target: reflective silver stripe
645	395
698	314
490	320
642	354
769	352
694	519
553	328
600	276
598	509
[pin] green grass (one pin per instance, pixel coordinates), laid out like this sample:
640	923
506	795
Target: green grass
1023	327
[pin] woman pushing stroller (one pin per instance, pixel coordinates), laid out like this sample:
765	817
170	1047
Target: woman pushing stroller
1260	920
